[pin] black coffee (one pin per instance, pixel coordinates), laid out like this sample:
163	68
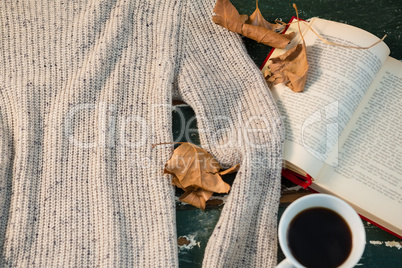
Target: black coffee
319	237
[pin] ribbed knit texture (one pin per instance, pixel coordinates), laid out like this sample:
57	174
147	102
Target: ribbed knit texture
85	89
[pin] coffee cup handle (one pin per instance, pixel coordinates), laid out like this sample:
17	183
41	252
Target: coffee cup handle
285	264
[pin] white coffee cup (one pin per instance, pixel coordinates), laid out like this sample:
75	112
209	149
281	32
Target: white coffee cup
322	201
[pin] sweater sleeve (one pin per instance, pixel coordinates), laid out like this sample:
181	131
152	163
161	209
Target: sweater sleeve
238	122
5	178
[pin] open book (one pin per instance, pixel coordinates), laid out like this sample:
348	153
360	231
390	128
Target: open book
345	130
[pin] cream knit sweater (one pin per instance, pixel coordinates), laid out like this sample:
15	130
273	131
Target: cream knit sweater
85	88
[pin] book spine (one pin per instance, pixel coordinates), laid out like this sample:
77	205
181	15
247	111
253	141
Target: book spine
380	226
302	181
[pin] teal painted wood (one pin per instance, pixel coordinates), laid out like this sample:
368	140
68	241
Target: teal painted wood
197	226
377	17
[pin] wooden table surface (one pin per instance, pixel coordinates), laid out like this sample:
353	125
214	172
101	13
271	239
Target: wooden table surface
377	17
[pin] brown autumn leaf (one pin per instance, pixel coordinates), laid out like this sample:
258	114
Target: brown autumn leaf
196	172
193	166
192	195
230	170
197	198
289	68
226	15
258	20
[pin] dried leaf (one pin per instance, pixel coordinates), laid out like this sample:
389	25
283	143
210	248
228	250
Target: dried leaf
176	182
226	15
257	19
193	166
289	68
197	198
266	37
198	173
230	170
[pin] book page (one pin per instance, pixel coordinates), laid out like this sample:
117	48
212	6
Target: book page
337	80
369	170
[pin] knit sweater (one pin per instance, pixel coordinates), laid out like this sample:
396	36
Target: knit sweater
85	89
